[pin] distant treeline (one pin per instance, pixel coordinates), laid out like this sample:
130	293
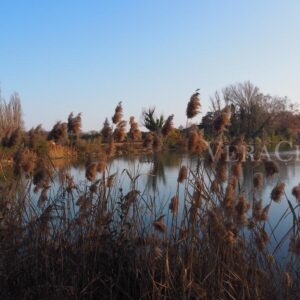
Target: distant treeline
251	114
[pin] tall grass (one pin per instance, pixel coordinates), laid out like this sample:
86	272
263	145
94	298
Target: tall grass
99	239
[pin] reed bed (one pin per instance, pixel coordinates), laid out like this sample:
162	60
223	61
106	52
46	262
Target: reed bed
99	238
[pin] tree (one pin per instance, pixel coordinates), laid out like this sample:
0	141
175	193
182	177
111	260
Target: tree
151	121
253	112
10	115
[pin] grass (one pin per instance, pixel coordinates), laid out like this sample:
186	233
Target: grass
62	239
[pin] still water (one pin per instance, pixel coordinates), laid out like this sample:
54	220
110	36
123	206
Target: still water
156	177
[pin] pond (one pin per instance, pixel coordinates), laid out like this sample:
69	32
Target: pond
156	177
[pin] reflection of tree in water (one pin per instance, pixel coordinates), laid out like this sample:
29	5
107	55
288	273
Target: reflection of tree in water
157	172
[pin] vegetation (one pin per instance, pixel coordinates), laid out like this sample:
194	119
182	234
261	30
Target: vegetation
253	114
99	239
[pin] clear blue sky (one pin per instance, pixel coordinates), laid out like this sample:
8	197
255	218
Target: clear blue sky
86	56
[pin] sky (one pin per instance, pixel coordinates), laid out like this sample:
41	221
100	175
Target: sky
85	56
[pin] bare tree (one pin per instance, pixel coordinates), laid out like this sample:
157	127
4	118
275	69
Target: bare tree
10	115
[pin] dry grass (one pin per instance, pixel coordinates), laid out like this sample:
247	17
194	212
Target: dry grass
92	240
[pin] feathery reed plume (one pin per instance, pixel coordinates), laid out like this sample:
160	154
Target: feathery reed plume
11	138
215	186
74	124
229	198
168	126
118	113
35	135
237	169
130	198
271	168
157	143
93	187
106	131
230	238
159	224
148	141
222	120
196	143
193	107
120	131
264	214
174	205
40	176
239	148
59	133
91	171
258	212
258	181
157	252
84	203
43	197
296	192
277	192
221	169
70	183
197	193
261	239
134	132
24	161
182	175
241	208
110	180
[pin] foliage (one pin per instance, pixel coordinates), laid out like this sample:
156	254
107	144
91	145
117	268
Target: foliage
151	121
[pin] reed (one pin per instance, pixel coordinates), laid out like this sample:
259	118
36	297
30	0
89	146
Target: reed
98	238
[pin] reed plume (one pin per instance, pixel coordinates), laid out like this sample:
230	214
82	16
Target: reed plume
277	192
182	175
259	213
110	180
118	115
261	239
271	168
296	192
193	107
168	126
59	133
11	138
120	131
196	143
106	131
91	171
134	132
24	161
148	141
237	169
74	124
159	224
241	208
258	181
222	120
174	203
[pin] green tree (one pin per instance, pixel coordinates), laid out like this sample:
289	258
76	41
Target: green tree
151	121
